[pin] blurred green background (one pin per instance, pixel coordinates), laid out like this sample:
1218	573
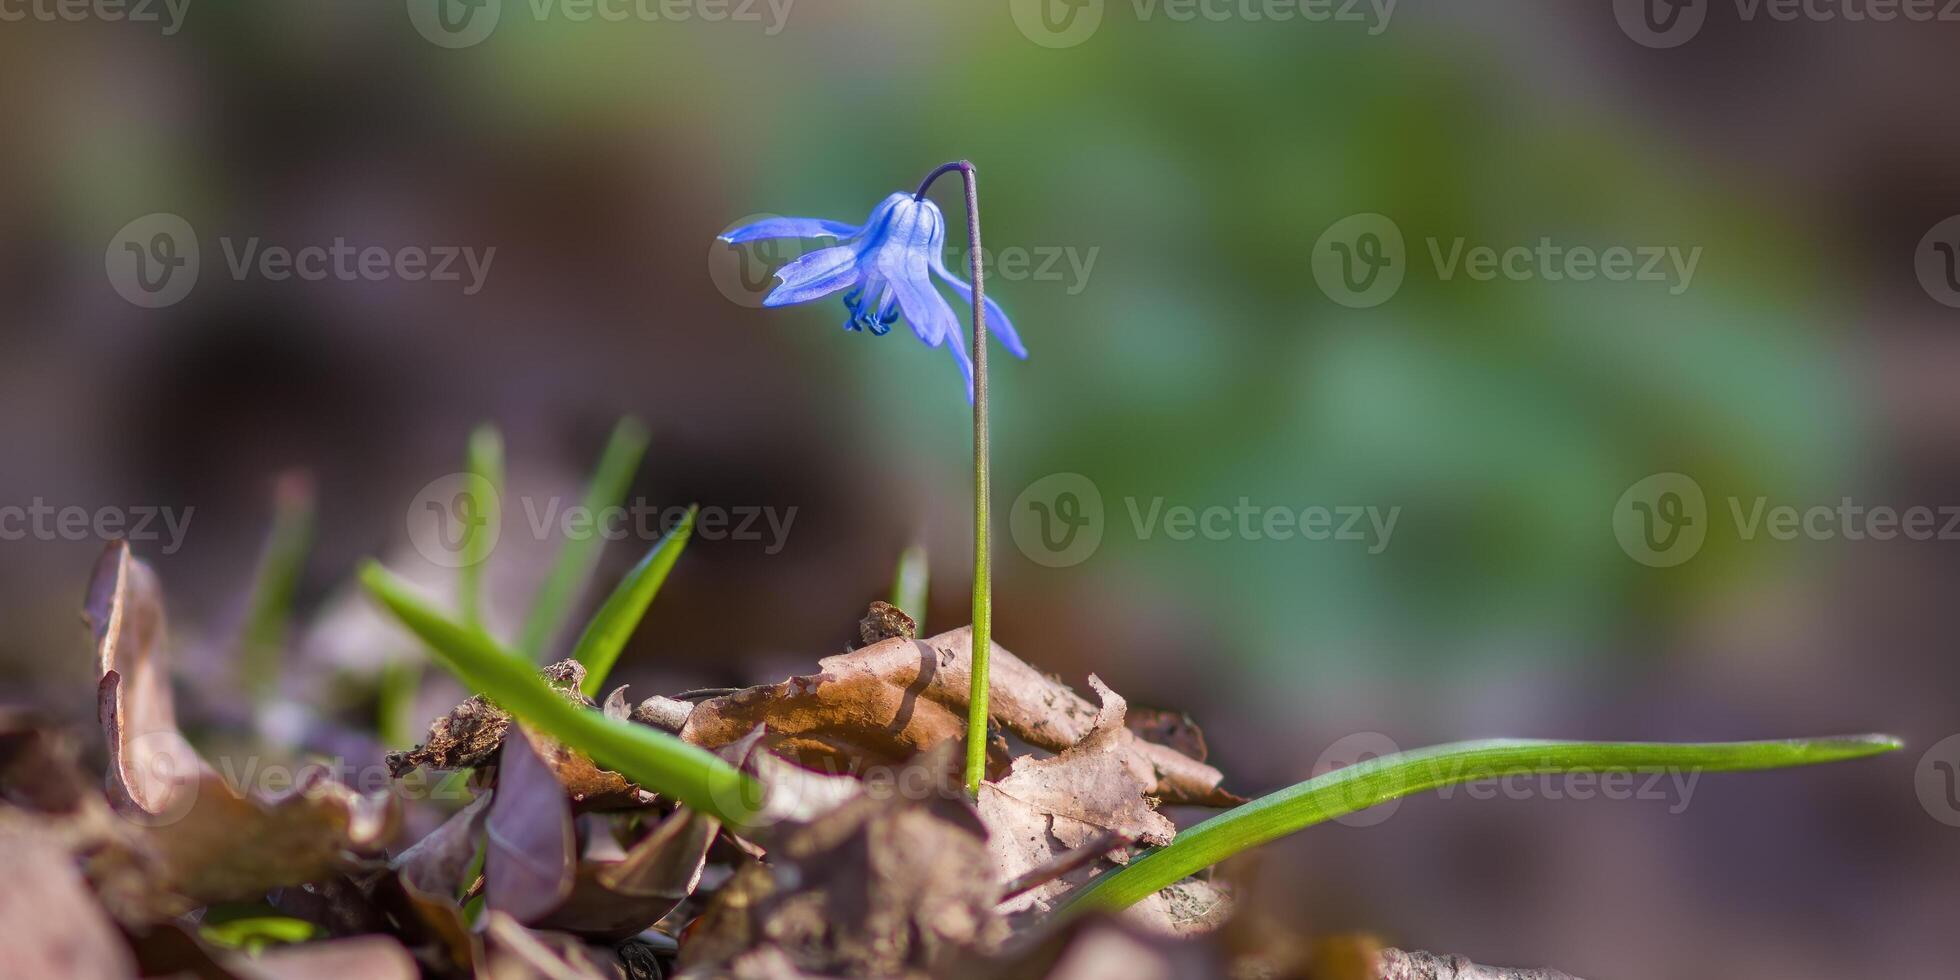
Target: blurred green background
1168	182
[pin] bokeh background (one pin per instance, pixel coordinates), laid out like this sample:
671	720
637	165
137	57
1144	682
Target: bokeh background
1154	189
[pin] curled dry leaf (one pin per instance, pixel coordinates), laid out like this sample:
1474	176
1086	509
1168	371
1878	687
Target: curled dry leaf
423	885
885	885
534	872
531	857
619	896
883	702
210	843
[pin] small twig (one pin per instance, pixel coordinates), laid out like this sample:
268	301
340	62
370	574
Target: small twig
1064	863
1396	964
704	693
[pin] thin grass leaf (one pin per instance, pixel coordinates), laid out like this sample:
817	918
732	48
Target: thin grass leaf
909	584
401	680
1388	777
606	635
486	469
394	708
275	583
650	757
254	933
576	558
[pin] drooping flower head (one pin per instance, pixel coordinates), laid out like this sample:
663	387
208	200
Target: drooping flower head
884	268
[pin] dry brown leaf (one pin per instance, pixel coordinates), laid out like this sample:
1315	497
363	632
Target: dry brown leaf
423	884
531	856
209	842
517	953
790	793
1045	808
1192	907
50	924
857	714
365	957
1100	781
883	702
623	894
883	885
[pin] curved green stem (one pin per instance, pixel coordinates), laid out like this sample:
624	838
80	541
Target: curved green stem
983	573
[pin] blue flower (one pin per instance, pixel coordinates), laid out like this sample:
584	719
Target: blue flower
884	265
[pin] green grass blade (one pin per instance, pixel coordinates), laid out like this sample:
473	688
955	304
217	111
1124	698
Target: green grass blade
909	584
646	755
576	558
598	647
275	583
1379	780
486	470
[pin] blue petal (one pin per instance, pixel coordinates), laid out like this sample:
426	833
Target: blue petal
789	228
931	316
997	322
815	276
963	359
